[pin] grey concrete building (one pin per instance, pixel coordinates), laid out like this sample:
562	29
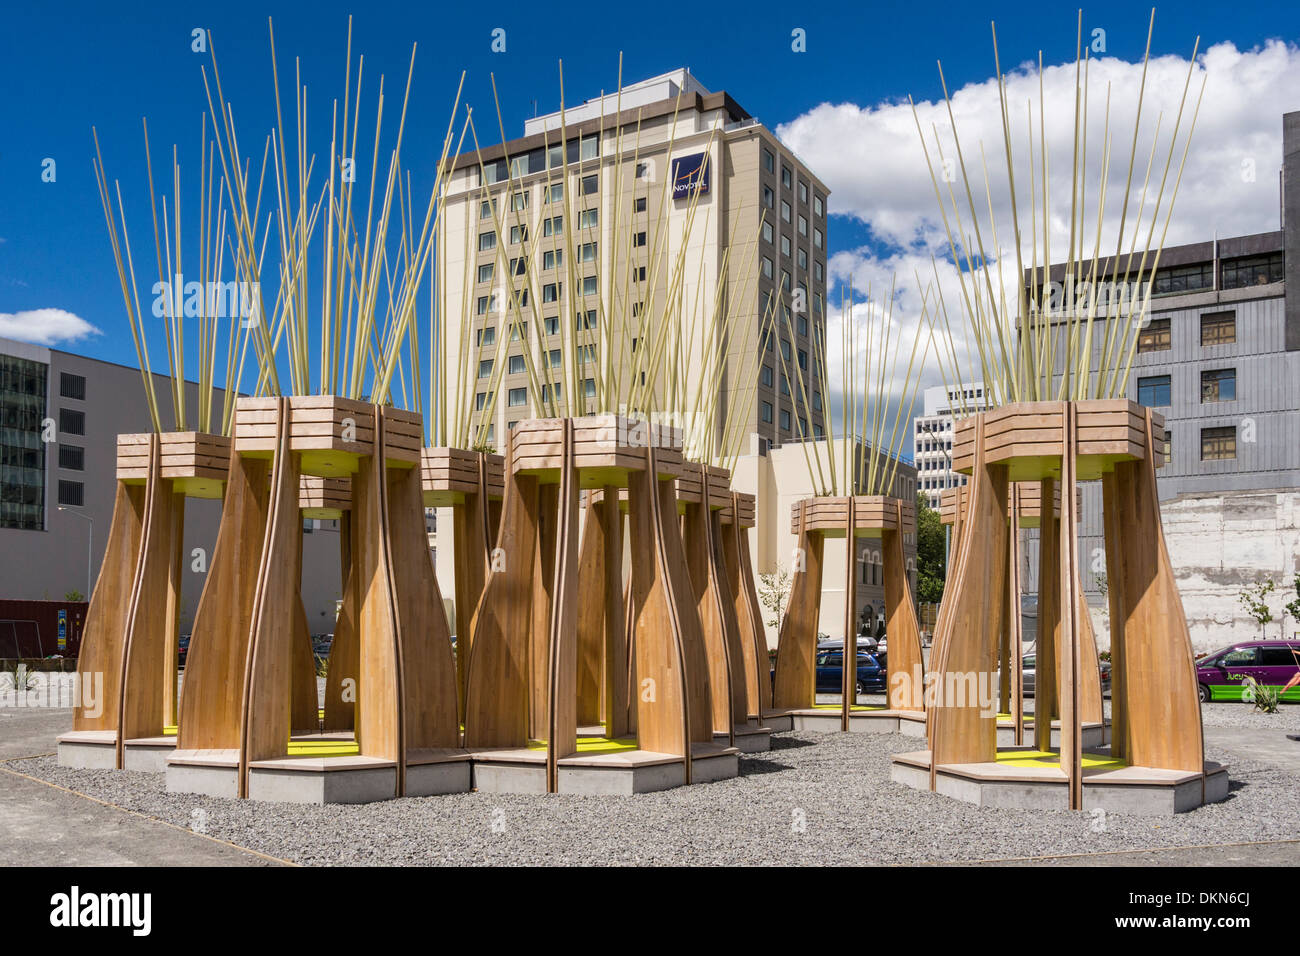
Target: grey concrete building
60	415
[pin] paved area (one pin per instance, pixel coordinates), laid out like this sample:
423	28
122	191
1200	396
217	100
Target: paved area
52	825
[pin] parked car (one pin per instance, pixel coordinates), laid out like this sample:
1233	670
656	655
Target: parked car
320	644
182	649
830	672
1222	675
1027	674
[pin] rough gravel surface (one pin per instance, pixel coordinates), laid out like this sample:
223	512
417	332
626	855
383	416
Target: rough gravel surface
813	799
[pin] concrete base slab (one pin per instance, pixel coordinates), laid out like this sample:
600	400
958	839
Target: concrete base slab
614	774
148	754
749	740
779	723
88	750
1142	791
1095	735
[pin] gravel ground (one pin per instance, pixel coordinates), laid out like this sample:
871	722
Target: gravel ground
813	799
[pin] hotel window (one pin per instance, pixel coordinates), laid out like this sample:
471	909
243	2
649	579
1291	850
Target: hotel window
803	359
486	335
589	388
586	320
785	176
521	297
803	425
553	259
785	280
1219	385
1155	337
589	184
767	267
551	292
818	271
1252	270
1153	391
516	397
587	252
785	419
587	353
1218	328
553	226
803	191
552	324
641	170
1176	279
803	225
769	197
72	457
769	161
518	234
638	274
518	330
480	401
767	232
516	364
817	204
637	309
519	266
72	386
785	350
802	324
491	434
487	241
485	272
72	493
556	358
518	202
766	376
484	368
817	238
817	401
72	422
785	385
766	411
1219	444
588	218
1169	450
589	285
802	259
785	211
638	240
553	193
785	245
639	204
487	208
557	389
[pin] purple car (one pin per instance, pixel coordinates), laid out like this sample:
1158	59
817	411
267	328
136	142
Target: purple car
1222	675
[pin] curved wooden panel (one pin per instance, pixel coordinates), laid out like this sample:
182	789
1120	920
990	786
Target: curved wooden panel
471	525
345	657
213	692
961	730
749	620
1158	685
102	638
175	588
562	646
141	700
539	633
496	701
796	648
304	710
265	718
1090	694
591	613
901	626
1047	671
697	540
695	655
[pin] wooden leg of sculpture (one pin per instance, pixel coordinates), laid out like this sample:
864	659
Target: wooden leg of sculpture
696	538
613	624
1161	710
473	553
906	677
175	592
539	641
211	707
796	648
1048	640
1015	626
849	670
99	662
1116	604
265	716
964	730
1070	657
562	646
304	710
1090	695
748	617
941	627
140	703
663	719
345	648
591	610
1004	635
726	602
496	703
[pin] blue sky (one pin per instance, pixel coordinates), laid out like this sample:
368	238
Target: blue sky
66	68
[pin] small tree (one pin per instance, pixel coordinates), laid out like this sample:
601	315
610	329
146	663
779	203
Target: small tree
1254	598
773	593
73	595
1292	607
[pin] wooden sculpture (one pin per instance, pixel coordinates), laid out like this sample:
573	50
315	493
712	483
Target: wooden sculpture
524	659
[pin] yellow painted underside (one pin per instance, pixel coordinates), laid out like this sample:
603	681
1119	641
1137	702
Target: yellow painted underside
853	707
323	748
595	745
1044	758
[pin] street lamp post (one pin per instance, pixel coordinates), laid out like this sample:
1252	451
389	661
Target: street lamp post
90	543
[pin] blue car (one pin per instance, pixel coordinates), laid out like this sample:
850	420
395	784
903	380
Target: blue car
830	671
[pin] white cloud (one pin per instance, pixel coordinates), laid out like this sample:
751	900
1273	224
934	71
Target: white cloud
871	158
45	326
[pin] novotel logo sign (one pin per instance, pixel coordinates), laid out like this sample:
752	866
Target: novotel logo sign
691	176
